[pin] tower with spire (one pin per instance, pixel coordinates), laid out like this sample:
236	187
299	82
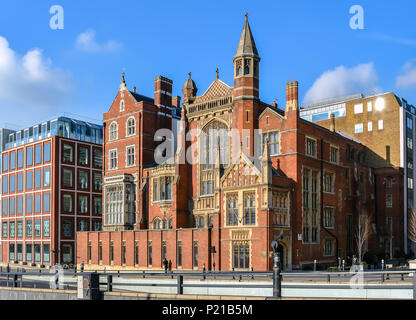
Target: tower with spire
246	88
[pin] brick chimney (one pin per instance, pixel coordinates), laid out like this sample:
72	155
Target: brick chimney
292	96
163	92
332	124
176	101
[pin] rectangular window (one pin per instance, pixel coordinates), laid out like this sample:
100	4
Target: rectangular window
389	201
179	250
37	203
20	182
98	158
232	209
111	252
12	229
38	179
329	182
20	159
4	229
249	208
47	152
46	177
46	253
310	147
273	142
82	225
19	205
358	108
20	229
409	122
38	154
241	256
97	225
83	179
97	205
28	204
68	153
410	183
46	202
12	206
12	183
28	228
29	156
5	207
11	252
334	155
136	253
67	203
37	228
369	106
12	160
67	178
67	228
370	126
83	157
329	248
130	151
98	181
123	253
29	253
113	159
358	128
29	180
5	184
5	162
195	255
149	254
19	252
82	204
380	124
37	252
329	217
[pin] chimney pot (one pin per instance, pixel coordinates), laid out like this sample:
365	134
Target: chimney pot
134	89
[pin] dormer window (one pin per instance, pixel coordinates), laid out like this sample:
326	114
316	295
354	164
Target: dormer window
121	105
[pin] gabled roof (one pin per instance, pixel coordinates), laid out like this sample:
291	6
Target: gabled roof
216	90
139	98
242	160
246	46
277	111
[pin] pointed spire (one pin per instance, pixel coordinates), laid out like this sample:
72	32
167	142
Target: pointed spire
246	46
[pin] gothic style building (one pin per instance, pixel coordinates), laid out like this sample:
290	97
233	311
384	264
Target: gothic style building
243	172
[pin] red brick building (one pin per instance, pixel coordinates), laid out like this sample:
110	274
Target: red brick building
243	173
51	188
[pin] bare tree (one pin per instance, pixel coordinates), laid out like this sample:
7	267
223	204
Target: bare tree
362	233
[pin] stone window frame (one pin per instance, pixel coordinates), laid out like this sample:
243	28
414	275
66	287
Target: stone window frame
113	131
334	147
315	142
128	148
276	144
130	127
325	252
329	173
311	214
332	219
110	158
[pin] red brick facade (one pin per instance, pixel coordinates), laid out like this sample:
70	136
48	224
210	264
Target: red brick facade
307	186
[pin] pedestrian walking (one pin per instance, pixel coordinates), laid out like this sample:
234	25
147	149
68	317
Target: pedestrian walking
165	263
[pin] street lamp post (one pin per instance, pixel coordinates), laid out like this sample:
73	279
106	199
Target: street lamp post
277	277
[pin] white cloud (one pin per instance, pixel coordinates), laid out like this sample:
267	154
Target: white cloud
86	42
408	77
29	86
343	81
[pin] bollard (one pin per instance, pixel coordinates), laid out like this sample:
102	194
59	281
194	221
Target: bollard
402	276
382	277
180	284
239	278
314	265
233	274
387	277
118	273
110	283
277	283
252	275
329	278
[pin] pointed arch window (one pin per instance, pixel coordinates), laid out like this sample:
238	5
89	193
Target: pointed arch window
209	144
246	66
238	68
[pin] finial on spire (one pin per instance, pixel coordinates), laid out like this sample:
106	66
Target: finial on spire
123	80
217	72
246	15
189	75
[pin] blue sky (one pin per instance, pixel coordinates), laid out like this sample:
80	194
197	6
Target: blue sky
45	72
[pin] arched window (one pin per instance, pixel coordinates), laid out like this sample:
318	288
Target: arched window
121	105
113	131
165	224
157	224
246	66
170	223
131	126
209	144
